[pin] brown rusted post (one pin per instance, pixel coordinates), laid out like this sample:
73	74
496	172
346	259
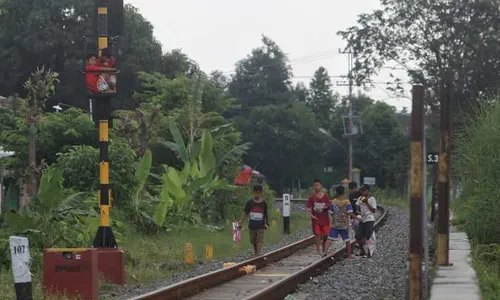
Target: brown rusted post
416	191
442	243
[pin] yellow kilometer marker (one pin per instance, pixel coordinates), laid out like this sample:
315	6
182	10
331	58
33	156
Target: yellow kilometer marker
209	252
188	253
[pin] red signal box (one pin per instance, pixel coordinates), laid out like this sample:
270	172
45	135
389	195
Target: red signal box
71	272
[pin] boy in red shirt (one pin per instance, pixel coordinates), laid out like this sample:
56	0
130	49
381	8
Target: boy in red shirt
107	60
317	206
90	73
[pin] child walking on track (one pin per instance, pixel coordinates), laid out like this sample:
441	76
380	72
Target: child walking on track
367	207
256	210
340	211
317	206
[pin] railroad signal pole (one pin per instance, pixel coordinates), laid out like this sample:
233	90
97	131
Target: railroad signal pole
416	190
443	220
104	237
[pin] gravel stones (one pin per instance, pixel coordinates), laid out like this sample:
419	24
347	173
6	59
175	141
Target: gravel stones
384	276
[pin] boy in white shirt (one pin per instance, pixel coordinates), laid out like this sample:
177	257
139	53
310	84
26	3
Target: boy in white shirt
367	206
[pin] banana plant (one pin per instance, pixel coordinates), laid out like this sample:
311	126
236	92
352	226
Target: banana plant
189	153
197	176
142	173
52	214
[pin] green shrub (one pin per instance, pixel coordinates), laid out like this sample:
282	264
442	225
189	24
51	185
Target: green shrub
486	261
476	161
477	166
81	169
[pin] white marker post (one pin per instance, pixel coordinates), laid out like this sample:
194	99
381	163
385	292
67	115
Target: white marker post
20	255
286	213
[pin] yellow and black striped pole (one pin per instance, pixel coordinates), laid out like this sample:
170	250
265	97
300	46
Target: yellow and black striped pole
104	237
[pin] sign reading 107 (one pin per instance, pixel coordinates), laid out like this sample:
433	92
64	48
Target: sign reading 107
432	158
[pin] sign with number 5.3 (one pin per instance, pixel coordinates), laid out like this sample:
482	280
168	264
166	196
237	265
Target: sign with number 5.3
432	158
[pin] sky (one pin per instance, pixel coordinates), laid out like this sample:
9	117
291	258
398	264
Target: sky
218	33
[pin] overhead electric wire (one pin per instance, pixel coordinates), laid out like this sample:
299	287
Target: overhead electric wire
299	60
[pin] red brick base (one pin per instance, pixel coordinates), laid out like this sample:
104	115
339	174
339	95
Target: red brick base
111	263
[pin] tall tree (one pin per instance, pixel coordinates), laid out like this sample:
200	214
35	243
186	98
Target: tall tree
285	142
175	63
322	100
39	87
337	146
301	92
158	89
56	34
216	96
51	34
137	51
263	78
382	151
434	40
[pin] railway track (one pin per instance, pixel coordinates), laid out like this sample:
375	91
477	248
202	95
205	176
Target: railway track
278	273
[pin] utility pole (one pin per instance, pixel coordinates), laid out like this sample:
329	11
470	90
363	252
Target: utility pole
349	134
443	221
416	191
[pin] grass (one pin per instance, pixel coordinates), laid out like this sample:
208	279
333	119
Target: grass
488	271
475	162
389	198
159	256
152	258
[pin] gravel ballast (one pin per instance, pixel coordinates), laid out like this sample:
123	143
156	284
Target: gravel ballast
384	276
129	291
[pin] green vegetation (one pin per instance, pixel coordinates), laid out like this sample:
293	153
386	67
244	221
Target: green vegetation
475	210
486	262
181	135
436	41
149	258
178	141
390	198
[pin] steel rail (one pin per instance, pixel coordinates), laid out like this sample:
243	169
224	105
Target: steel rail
278	290
289	284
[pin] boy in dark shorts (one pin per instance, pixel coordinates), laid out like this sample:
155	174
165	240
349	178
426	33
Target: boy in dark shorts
367	207
340	210
353	195
256	211
353	198
317	206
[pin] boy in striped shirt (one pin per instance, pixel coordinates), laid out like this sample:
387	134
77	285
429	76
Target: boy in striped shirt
340	210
